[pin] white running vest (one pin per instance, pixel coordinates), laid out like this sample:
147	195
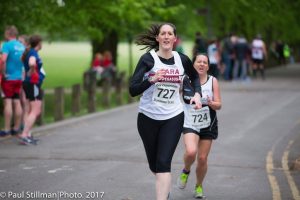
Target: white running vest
257	49
207	90
161	100
212	51
199	119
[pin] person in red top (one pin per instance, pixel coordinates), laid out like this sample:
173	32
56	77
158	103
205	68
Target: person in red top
97	64
108	65
107	59
98	61
103	66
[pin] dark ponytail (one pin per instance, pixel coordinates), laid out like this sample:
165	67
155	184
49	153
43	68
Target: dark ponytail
148	38
23	58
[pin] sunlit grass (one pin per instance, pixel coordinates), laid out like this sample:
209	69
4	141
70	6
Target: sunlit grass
65	62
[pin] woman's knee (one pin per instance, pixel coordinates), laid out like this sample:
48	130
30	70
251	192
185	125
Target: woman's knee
36	108
202	159
160	168
37	111
191	153
163	165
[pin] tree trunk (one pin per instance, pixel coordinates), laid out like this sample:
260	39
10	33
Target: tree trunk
109	43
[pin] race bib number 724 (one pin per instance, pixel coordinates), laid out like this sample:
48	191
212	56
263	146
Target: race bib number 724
199	118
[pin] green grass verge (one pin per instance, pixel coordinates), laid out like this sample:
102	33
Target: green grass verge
65	62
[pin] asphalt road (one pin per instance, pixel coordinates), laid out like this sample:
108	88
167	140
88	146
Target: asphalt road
101	156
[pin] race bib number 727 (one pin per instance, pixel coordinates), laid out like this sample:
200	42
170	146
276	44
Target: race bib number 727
165	93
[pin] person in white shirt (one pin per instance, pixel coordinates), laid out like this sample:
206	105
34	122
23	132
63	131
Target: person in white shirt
200	127
258	54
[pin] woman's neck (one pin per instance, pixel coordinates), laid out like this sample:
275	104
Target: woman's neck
203	78
165	54
37	48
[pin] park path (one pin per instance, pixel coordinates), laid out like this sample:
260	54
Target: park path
259	127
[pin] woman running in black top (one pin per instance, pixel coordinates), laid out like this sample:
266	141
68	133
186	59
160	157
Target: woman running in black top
160	120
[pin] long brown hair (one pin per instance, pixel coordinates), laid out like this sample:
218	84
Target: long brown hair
148	38
34	40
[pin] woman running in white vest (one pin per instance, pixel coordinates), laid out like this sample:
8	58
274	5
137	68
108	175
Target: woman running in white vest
157	77
200	126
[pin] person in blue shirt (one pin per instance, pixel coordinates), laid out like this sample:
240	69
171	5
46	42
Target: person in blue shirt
11	71
34	76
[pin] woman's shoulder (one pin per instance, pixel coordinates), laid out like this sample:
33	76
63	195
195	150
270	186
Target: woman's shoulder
184	58
211	77
32	52
147	57
214	80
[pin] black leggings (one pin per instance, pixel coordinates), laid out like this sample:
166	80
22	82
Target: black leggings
160	138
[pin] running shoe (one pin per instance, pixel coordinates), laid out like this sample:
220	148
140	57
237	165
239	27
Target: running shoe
14	132
199	192
182	180
33	138
27	141
4	133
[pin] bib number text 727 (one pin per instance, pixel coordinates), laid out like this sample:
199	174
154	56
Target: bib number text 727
165	93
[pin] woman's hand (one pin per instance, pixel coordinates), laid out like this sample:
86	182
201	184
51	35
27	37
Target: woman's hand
30	72
157	76
209	101
197	100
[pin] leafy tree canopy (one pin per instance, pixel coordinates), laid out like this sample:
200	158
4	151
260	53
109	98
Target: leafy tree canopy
94	19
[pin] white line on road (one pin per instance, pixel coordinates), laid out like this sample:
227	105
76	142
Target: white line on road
272	179
287	173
